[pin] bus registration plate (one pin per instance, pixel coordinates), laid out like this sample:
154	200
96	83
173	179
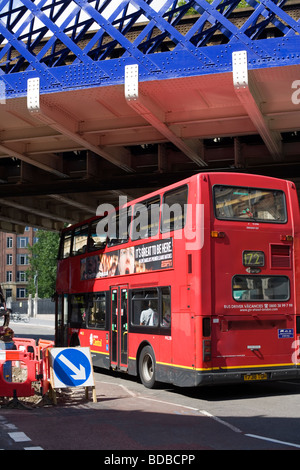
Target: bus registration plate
249	377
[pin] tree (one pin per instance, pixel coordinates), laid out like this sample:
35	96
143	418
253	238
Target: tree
192	11
43	262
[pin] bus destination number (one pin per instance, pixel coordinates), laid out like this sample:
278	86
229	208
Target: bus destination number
253	258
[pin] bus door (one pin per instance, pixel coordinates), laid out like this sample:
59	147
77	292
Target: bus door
61	320
119	327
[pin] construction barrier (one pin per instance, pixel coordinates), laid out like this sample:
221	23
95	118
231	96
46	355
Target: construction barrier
24	364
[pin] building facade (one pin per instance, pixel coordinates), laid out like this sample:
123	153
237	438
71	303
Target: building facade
14	262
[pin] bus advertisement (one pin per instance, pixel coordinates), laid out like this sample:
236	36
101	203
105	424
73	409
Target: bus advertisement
193	284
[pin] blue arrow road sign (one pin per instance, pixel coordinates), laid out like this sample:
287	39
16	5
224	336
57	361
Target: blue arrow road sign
71	366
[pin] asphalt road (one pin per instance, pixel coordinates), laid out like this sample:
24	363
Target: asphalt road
144	424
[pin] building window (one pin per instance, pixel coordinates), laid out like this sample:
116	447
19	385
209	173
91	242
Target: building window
9	242
8	276
22	260
21	276
8	293
9	259
22	242
21	293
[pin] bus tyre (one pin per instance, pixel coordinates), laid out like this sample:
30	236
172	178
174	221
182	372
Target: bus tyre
147	367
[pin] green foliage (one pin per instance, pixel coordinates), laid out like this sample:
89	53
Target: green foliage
192	11
43	261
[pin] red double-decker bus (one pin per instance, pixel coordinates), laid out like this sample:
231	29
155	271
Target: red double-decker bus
193	284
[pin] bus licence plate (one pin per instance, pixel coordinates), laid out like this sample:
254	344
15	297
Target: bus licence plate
262	376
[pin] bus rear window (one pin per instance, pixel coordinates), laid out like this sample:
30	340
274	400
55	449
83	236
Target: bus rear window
260	288
242	203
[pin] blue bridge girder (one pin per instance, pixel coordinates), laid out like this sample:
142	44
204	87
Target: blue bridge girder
110	97
87	43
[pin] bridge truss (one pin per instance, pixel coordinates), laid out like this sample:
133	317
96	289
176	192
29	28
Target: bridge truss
110	97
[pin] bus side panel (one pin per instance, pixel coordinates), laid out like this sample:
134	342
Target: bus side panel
97	341
62	276
183	336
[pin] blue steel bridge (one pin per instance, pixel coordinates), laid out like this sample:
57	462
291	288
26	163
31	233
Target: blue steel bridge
118	97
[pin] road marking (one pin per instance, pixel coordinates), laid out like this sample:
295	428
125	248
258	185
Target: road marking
168	403
33	448
19	436
122	386
209	415
273	440
221	421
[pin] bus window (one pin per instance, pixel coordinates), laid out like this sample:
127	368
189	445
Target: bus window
242	203
145	307
96	315
78	308
258	288
118	227
97	241
145	219
80	240
65	247
166	307
174	209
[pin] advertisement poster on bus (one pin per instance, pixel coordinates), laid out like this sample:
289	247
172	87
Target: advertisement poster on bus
135	259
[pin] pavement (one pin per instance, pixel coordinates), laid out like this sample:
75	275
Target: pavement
39	320
43	320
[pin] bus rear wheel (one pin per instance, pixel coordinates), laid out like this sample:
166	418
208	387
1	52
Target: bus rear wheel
147	367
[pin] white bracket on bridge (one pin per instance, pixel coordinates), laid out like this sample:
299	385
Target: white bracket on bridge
240	70
33	95
248	94
131	88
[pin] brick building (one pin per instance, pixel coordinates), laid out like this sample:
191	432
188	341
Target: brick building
14	262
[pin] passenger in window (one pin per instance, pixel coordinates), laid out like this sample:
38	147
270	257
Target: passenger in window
166	319
147	316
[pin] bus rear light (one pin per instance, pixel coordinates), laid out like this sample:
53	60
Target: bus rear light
286	238
216	234
206	350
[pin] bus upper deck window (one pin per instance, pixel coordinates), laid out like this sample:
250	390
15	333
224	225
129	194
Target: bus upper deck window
97	238
174	209
244	203
145	219
80	240
66	245
118	227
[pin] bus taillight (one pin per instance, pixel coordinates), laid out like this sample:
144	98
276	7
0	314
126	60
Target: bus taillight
206	350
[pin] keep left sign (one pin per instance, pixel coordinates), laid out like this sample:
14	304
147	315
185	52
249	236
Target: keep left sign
71	367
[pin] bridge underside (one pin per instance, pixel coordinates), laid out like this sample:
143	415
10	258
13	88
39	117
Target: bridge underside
79	134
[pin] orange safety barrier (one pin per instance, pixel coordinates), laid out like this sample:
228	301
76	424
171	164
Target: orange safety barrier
43	347
22	364
26	344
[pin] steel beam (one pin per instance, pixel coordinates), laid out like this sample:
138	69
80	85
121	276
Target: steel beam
66	125
34	209
51	166
247	94
146	108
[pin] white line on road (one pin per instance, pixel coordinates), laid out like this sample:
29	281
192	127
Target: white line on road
273	440
221	421
19	436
